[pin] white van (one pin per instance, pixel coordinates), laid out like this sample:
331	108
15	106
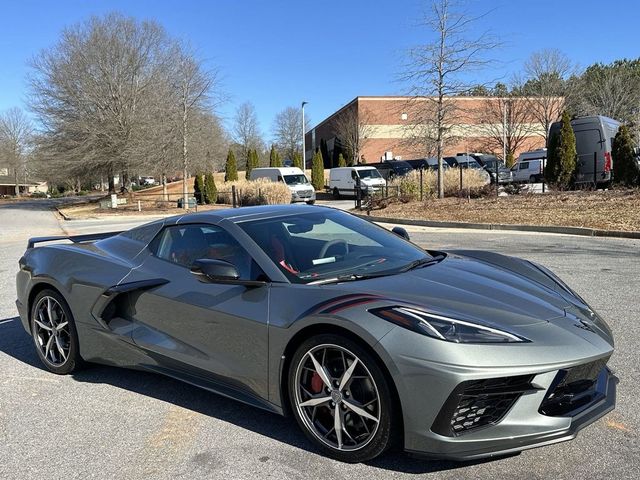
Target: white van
293	177
530	166
342	180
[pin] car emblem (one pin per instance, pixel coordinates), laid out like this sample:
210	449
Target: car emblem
580	323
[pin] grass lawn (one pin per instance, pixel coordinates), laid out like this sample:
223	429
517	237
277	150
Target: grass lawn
607	210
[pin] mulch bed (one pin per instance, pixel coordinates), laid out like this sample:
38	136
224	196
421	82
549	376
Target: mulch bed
606	210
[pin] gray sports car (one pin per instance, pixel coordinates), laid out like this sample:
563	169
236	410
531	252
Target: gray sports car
367	339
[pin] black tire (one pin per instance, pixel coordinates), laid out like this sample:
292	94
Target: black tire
68	335
311	202
384	436
336	193
533	179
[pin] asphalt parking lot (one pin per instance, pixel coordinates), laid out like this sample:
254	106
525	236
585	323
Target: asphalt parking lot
110	423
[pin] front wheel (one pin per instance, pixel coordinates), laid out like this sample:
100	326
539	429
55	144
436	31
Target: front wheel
311	202
341	399
54	333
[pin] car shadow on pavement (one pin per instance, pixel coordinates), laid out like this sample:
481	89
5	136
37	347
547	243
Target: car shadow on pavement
17	344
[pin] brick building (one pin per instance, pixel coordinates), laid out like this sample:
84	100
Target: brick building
393	127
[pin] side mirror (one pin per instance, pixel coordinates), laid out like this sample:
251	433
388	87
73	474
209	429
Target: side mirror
401	232
209	270
354	174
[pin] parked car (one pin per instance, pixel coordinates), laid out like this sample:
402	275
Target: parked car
342	180
293	177
392	168
594	137
529	166
490	163
367	340
467	161
430	163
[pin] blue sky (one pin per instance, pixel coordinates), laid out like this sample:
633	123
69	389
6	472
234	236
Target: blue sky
278	53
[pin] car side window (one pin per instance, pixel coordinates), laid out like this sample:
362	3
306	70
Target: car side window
524	165
184	244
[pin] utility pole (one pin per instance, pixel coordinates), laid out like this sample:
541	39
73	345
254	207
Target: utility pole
304	160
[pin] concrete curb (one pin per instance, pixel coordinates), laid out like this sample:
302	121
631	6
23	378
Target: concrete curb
585	232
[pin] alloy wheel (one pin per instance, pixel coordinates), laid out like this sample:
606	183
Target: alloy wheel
337	397
51	331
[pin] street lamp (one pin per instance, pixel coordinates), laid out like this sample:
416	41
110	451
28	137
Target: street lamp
304	160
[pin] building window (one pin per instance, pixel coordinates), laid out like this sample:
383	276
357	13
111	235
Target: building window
403	116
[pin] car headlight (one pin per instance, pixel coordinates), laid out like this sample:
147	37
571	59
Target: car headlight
444	328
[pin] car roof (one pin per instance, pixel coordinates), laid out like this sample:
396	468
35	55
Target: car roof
246	213
285	170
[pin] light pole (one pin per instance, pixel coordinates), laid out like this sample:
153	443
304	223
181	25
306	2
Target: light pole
304	160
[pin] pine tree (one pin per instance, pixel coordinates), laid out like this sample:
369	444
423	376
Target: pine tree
625	168
341	161
550	169
230	168
567	158
317	172
198	187
253	161
210	189
511	160
274	157
562	155
297	161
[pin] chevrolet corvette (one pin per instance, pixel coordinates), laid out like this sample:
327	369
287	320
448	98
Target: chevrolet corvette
368	340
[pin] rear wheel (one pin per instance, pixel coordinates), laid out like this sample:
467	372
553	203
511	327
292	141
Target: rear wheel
341	399
533	179
54	333
336	193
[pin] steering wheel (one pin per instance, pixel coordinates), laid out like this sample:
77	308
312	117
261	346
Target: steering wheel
328	245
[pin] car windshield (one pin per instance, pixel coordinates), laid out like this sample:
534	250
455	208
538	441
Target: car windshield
490	162
401	168
296	179
469	163
369	173
331	246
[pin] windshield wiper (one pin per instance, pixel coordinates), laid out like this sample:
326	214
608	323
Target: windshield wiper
422	262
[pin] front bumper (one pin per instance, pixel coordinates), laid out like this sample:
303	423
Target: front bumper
427	372
470	448
309	196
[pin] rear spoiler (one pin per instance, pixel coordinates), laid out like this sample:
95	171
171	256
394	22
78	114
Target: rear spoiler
73	238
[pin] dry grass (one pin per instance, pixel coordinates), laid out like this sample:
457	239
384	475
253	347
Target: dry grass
608	210
409	185
257	192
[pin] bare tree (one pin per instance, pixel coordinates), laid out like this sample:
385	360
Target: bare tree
353	129
612	90
90	91
506	123
441	69
194	85
246	131
546	85
287	130
16	133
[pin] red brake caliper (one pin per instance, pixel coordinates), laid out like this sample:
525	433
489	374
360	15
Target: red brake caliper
316	383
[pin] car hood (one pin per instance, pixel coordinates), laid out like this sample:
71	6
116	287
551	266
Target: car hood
513	294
